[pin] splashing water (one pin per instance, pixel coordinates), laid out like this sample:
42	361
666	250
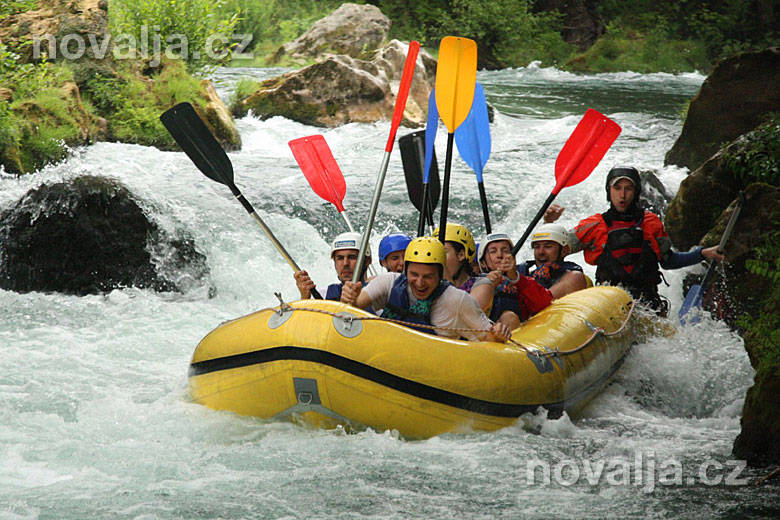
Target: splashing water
94	416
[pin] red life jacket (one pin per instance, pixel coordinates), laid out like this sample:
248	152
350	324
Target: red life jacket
625	252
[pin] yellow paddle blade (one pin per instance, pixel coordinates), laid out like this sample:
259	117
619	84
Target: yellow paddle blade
456	75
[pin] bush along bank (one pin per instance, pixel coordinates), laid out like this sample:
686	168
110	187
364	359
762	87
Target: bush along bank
53	99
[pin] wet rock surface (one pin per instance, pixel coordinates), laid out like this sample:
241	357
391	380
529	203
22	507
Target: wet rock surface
733	100
88	235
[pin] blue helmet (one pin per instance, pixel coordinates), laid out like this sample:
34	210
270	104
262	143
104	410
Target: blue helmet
391	243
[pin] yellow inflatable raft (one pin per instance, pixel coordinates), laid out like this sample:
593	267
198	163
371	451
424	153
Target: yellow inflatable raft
326	364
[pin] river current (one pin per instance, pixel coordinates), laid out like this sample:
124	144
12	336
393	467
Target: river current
95	420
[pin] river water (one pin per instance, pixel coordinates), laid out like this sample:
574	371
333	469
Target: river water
95	421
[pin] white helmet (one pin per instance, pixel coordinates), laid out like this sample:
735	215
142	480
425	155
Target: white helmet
348	240
492	237
553	232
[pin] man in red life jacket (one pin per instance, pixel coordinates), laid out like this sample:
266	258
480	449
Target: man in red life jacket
627	244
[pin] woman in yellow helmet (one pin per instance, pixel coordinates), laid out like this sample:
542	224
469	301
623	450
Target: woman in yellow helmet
420	295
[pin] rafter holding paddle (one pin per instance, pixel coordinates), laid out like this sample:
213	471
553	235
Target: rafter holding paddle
582	152
456	76
398	112
693	300
473	141
321	170
196	140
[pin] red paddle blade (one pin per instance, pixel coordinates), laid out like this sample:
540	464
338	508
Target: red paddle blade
320	168
584	149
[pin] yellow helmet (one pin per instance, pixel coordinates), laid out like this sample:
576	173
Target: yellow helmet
426	250
460	235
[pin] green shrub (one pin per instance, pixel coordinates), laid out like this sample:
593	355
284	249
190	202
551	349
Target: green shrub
244	88
11	7
759	159
507	33
132	104
640	50
274	22
764	329
201	22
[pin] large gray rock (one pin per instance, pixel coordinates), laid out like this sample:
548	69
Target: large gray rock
342	89
88	235
352	29
733	100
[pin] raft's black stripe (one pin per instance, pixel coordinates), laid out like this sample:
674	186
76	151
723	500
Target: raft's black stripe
392	381
372	374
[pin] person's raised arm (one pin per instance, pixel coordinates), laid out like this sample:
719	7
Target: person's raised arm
352	294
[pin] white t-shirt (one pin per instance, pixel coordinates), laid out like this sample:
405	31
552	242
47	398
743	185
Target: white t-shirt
453	309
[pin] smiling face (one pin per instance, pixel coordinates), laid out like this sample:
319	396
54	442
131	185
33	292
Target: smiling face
423	279
546	251
345	260
498	256
622	194
394	262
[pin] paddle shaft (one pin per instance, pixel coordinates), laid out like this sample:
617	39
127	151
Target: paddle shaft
270	234
398	112
696	292
199	144
723	239
533	223
483	200
445	195
427	206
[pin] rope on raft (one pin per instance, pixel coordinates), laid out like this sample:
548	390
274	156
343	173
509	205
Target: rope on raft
596	331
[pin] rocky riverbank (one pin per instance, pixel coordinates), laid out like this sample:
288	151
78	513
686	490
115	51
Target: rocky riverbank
735	117
65	84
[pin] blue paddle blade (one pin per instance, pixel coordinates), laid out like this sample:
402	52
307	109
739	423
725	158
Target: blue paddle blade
692	302
473	135
431	127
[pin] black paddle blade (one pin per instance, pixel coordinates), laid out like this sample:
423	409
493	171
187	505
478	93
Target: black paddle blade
412	148
196	140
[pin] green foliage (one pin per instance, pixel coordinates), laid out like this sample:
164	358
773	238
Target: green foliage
506	31
763	331
132	104
274	22
9	127
641	50
26	79
12	7
205	27
721	27
244	88
759	159
767	259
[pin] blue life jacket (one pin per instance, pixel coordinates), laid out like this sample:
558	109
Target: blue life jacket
334	292
505	299
398	307
528	268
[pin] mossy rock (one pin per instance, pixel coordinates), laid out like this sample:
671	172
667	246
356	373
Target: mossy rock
330	93
733	100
